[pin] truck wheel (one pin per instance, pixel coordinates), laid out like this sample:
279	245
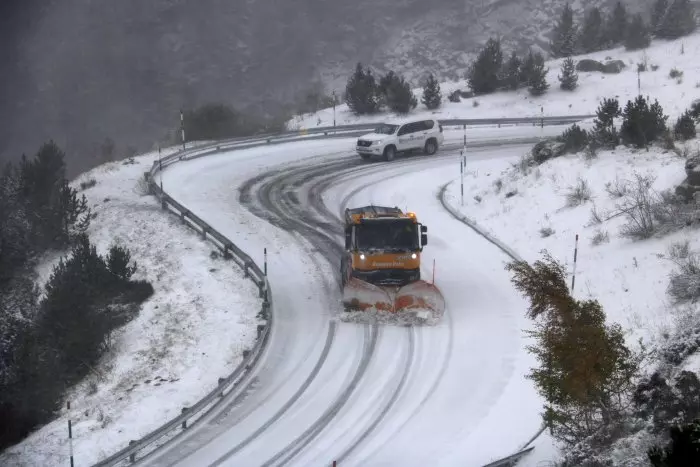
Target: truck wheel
430	147
389	153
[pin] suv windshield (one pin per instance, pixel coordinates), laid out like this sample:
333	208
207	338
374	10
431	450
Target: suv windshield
386	129
389	235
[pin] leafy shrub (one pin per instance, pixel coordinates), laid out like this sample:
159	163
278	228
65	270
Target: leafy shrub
574	138
645	210
578	194
88	184
675	73
454	96
546	232
600	236
684	283
682	450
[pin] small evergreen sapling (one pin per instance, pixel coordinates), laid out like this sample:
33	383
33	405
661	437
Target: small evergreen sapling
538	80
569	77
432	97
604	131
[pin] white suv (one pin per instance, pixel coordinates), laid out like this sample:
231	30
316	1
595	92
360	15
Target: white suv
388	139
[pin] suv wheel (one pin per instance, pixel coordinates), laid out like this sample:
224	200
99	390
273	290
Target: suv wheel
430	147
389	153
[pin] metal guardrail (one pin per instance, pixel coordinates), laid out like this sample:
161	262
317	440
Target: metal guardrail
251	357
251	269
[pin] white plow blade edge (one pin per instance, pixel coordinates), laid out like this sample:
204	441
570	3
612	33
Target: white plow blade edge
359	295
415	303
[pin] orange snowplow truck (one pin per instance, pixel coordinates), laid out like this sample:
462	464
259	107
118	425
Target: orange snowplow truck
380	268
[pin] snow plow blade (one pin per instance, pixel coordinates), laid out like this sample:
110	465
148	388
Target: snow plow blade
420	298
415	303
362	296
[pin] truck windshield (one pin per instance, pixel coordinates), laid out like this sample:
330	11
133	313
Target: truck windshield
388	235
386	129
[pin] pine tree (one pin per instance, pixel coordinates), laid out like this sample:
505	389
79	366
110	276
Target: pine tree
642	123
658	13
399	95
616	26
604	131
569	78
563	42
679	20
638	35
432	97
532	61
584	370
484	71
590	39
510	75
538	80
361	92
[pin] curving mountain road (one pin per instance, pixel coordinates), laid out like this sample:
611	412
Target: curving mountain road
357	394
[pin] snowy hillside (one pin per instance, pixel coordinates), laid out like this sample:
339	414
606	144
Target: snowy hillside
547	206
674	94
192	331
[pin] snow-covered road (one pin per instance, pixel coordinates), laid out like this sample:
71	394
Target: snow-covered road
359	394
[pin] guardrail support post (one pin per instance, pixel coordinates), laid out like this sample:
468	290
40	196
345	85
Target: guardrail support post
261	328
204	234
246	352
265	262
184	422
132	456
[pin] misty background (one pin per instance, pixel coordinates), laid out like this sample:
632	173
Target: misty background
82	71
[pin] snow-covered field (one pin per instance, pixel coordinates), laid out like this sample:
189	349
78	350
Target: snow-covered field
192	331
674	94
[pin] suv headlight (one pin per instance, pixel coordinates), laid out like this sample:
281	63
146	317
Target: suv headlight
376	142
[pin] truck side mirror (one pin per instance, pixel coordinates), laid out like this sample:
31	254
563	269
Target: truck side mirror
423	229
423	239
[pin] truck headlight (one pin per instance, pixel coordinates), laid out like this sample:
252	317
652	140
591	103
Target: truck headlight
362	256
414	256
